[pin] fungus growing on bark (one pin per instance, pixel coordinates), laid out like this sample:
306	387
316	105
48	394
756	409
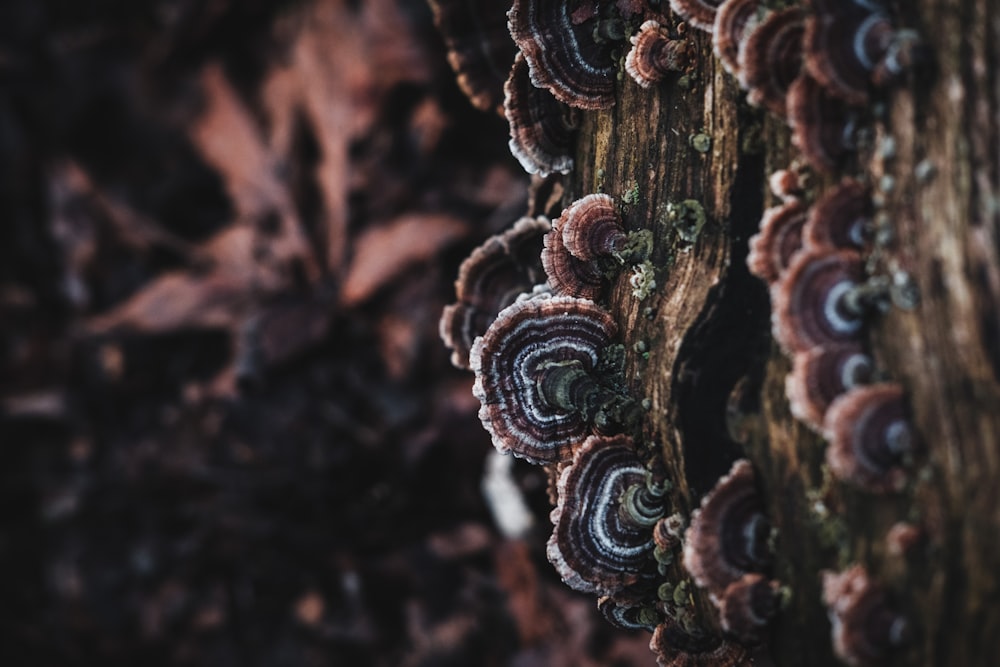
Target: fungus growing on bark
566	50
841	218
851	45
771	59
567	274
822	125
489	280
779	238
822	299
869	437
674	646
747	606
699	13
821	375
535	375
904	538
592	228
542	129
654	54
479	47
669	531
734	21
628	616
786	184
607	505
865	627
728	534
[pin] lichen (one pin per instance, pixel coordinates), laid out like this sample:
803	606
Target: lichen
642	280
687	218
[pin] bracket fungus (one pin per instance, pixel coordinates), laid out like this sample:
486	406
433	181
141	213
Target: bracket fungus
822	125
822	299
770	59
542	129
748	606
566	49
841	218
536	376
675	646
822	374
865	628
608	502
779	238
654	54
567	274
699	13
592	228
479	46
489	280
628	616
734	21
851	45
728	535
869	437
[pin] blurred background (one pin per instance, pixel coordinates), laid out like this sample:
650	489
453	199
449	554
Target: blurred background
229	432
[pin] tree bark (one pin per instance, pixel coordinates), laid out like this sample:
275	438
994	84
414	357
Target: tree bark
699	347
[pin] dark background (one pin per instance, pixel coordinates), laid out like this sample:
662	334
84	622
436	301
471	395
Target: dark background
229	433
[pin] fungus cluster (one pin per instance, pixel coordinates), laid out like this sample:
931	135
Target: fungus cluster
866	628
608	502
568	48
811	259
655	54
726	552
528	323
489	280
814	66
587	241
537	376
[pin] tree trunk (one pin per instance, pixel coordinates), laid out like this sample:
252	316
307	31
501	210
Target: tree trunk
699	347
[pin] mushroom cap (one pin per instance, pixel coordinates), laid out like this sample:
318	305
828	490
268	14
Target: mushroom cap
699	13
594	546
567	274
669	531
821	124
770	59
673	646
563	56
822	374
777	242
903	538
809	300
865	628
479	46
509	360
843	45
542	130
840	218
592	228
734	21
728	534
654	54
747	607
489	280
627	615
869	436
786	184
